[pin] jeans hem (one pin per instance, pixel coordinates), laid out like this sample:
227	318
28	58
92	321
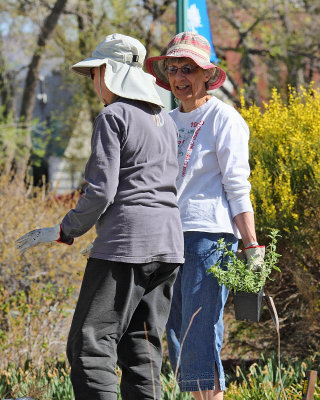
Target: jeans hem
200	385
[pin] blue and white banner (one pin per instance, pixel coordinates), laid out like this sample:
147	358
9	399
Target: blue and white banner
198	22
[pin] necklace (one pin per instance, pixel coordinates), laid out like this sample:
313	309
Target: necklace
190	148
192	141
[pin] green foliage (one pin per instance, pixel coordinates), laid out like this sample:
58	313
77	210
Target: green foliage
14	138
170	388
262	379
12	142
238	276
41	136
31	320
258	381
45	383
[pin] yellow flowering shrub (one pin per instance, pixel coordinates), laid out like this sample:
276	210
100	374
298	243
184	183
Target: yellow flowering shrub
285	158
285	178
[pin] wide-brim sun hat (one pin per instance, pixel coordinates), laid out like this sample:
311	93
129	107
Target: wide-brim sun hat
123	57
186	45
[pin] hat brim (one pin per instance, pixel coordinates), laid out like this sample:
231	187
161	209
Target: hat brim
156	67
83	67
122	79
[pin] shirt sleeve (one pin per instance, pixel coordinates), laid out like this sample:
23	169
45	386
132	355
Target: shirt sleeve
233	156
102	175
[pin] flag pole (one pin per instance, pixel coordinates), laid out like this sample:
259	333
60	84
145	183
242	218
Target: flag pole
182	15
181	26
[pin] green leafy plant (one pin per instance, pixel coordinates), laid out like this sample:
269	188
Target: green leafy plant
170	389
238	276
260	380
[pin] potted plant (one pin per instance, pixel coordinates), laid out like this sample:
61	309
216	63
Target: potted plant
246	282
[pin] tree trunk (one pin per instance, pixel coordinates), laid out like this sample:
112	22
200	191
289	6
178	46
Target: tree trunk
248	74
46	31
28	96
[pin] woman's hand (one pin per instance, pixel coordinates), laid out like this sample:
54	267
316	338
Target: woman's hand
38	236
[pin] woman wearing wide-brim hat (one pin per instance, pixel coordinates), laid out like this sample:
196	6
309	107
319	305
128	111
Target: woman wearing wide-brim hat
126	291
214	201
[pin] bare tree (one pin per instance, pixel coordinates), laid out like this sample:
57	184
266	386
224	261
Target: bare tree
45	34
157	12
152	22
275	42
28	97
88	21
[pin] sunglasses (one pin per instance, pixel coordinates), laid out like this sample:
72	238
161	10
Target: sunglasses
186	69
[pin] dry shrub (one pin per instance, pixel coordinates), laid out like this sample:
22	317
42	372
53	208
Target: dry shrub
38	290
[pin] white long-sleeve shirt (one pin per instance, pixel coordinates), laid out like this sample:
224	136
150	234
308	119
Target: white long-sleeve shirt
213	155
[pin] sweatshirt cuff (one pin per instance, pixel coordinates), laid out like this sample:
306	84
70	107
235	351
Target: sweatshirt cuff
64	239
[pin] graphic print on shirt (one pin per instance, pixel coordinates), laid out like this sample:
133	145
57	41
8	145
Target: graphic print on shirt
186	142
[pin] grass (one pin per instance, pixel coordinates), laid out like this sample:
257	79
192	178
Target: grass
259	381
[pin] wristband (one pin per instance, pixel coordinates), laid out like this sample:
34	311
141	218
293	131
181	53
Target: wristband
251	244
64	239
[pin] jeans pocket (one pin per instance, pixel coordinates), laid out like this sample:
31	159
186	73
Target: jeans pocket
200	244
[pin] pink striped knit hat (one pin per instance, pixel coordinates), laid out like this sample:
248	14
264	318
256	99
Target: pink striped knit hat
187	45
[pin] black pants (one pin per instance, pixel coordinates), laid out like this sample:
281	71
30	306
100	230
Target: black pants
119	306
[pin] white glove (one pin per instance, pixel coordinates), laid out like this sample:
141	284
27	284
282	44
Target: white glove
255	257
86	252
38	236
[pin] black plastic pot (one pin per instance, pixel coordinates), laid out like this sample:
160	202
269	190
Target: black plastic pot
247	306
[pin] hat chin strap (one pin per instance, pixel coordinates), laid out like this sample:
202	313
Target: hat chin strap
115	97
100	88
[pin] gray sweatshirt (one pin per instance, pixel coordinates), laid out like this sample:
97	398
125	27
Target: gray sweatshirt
131	196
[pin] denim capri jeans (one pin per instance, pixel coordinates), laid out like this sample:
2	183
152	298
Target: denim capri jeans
195	288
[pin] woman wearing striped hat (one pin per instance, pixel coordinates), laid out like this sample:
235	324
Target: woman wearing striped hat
214	201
